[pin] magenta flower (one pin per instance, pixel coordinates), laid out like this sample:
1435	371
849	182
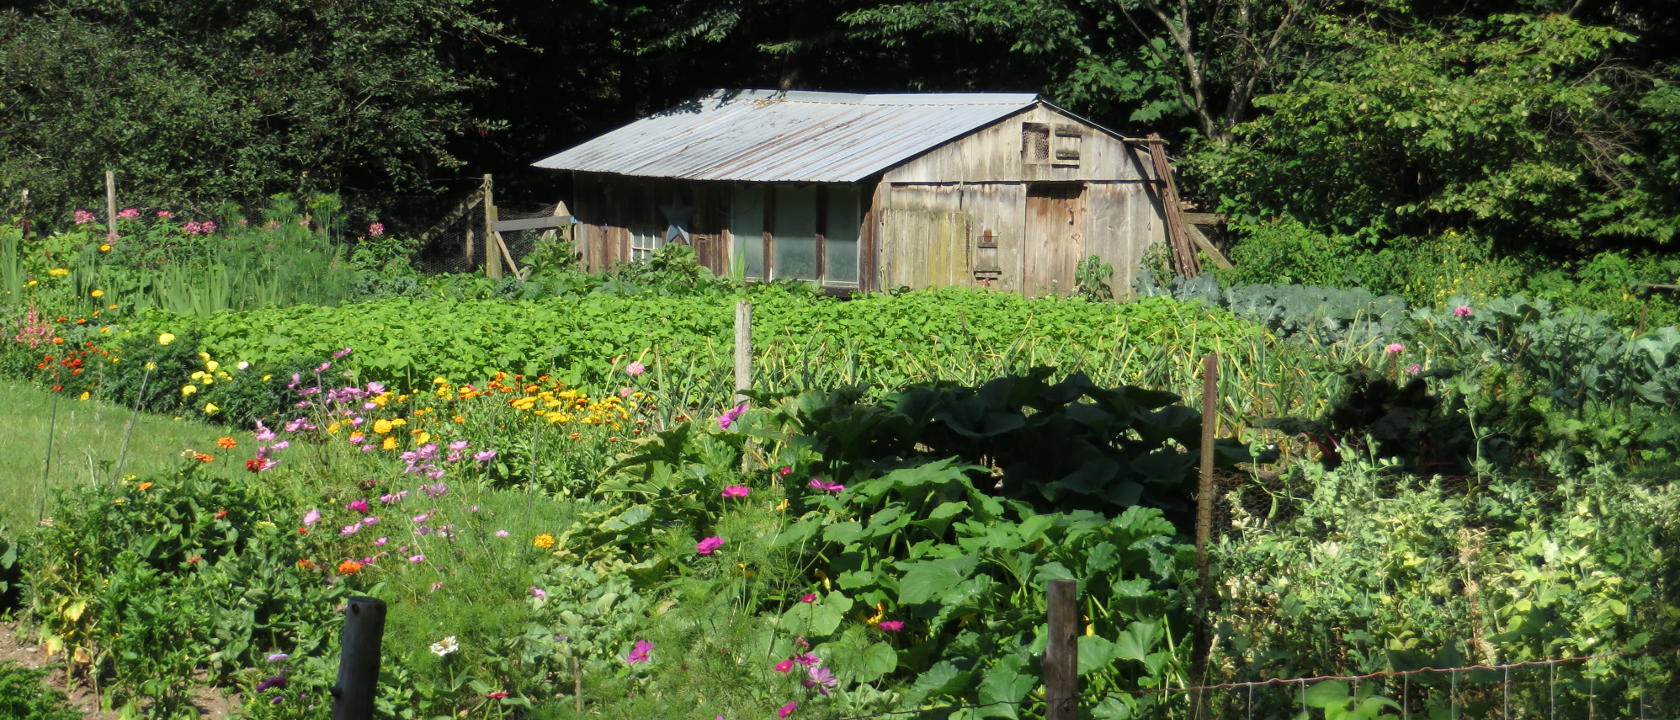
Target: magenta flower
786	710
819	678
786	470
1394	349
807	659
729	418
736	491
818	483
635	368
808	598
538	592
784	666
892	625
1462	311
639	653
341	353
358	505
705	547
381	541
417	557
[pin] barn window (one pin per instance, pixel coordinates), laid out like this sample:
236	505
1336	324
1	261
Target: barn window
643	241
1035	143
794	245
747	224
1066	145
840	235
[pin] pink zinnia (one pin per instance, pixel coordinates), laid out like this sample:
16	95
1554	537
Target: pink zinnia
736	491
634	368
892	625
639	654
786	710
707	546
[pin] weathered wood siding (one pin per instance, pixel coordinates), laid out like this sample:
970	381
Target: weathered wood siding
613	211
995	154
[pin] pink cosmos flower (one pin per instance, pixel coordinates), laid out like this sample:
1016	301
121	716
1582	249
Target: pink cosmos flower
358	505
342	353
381	541
808	598
458	446
350	529
1462	311
635	368
786	470
786	710
707	546
818	483
417	558
501	533
639	654
370	520
729	418
819	678
538	592
311	517
736	491
892	625
1394	349
263	433
484	456
807	659
784	666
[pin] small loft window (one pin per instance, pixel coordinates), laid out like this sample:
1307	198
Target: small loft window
1035	143
1066	145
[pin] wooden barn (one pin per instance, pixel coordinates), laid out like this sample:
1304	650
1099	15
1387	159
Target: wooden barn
871	191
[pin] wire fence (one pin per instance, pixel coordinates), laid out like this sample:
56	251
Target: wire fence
1521	690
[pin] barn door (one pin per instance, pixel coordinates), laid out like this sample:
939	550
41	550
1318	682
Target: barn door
1054	236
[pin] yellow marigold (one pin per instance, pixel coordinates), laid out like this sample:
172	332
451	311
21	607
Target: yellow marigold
188	389
389	444
97	293
58	272
166	338
105	247
210	408
422	438
381	426
544	541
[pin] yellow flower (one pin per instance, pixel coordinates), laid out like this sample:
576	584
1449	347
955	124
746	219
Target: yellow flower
210	408
544	541
398	422
150	366
389	444
382	426
105	247
85	395
332	429
188	389
58	272
97	293
32	283
212	365
422	438
165	339
105	330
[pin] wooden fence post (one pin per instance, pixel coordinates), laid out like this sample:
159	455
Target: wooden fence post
110	206
743	349
1061	652
358	664
492	253
1204	528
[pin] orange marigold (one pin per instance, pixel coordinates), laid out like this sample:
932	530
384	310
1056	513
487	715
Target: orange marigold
145	486
226	443
349	567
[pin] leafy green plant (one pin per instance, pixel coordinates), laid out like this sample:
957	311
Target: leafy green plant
22	695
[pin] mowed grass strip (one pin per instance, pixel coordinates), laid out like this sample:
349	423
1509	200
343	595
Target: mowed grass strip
86	440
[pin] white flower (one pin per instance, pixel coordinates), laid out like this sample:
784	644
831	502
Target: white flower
243	365
448	645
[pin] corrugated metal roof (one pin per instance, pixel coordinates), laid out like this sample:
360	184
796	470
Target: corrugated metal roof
771	136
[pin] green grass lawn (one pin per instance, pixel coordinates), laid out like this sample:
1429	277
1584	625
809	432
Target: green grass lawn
86	440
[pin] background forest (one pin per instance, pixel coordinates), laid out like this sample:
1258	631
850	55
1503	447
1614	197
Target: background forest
1522	136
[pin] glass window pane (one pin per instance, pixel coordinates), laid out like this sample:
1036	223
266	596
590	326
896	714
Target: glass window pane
795	231
746	223
840	255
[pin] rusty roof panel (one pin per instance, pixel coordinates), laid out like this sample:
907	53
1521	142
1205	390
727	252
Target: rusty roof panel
771	136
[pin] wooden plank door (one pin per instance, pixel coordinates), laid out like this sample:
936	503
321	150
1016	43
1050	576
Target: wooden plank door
1055	238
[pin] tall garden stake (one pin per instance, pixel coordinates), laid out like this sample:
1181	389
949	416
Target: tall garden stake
52	429
1204	529
743	349
122	455
358	663
1061	651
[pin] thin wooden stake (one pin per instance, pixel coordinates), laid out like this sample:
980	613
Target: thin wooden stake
122	456
46	469
1204	528
492	254
1061	652
358	664
110	206
743	349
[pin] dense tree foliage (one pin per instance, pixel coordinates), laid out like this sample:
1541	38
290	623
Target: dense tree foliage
1519	120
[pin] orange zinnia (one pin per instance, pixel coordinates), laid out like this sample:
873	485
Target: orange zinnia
349	567
226	443
201	457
